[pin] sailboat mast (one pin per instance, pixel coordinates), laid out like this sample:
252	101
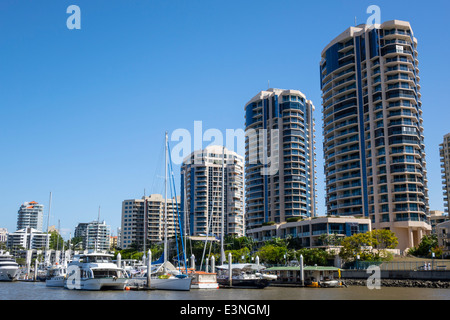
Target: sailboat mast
184	214
98	231
165	200
145	221
223	213
48	222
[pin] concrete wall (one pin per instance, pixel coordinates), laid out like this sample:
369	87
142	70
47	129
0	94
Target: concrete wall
399	274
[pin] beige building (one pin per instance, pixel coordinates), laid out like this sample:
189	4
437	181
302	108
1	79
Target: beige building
145	219
310	231
373	129
443	233
209	185
437	217
444	151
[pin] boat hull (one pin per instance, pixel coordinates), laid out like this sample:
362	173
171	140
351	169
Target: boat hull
204	280
200	285
177	284
331	284
8	273
97	284
244	283
55	282
174	284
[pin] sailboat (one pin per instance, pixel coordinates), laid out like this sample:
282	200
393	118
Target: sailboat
163	274
205	279
231	275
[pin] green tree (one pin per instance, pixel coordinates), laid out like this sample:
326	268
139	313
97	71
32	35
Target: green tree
272	254
427	245
313	256
384	239
369	246
56	241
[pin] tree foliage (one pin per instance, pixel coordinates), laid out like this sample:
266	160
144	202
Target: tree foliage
428	245
369	246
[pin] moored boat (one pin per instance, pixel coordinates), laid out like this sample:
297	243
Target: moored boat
204	280
245	276
94	271
9	268
56	276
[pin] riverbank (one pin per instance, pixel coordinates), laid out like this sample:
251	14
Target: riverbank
404	283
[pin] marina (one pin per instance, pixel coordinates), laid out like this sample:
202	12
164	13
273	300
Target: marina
39	291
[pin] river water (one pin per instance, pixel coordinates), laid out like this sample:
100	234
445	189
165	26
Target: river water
38	291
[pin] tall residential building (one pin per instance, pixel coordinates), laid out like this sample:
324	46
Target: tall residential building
208	185
373	134
95	235
444	152
145	218
279	157
30	215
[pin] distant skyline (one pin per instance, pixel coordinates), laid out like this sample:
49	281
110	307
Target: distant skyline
84	111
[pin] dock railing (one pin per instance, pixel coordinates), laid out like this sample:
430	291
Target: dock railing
426	265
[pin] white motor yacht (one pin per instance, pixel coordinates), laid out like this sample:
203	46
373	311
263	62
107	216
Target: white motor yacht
95	271
56	276
9	268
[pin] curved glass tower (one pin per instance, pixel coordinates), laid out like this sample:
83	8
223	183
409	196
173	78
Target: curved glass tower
372	125
279	157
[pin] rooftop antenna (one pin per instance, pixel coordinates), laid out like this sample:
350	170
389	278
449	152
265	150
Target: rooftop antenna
355	22
268	84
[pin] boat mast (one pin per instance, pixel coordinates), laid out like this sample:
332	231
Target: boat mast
184	214
145	219
165	201
222	254
48	222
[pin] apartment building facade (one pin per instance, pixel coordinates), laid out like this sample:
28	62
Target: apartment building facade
30	215
95	235
279	157
145	219
373	129
444	152
212	187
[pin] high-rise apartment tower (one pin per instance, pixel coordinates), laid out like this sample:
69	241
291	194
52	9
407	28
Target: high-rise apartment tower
279	157
374	148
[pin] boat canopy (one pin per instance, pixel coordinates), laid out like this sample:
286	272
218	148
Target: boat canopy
306	268
242	266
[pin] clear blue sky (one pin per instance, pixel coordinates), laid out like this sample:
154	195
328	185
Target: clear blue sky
83	112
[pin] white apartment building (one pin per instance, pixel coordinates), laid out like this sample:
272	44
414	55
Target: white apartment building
30	215
212	181
28	238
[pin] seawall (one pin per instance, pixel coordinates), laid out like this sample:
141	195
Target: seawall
400	278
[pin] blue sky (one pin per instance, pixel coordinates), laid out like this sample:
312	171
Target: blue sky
83	112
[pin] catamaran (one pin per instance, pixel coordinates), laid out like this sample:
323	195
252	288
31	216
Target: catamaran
95	271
